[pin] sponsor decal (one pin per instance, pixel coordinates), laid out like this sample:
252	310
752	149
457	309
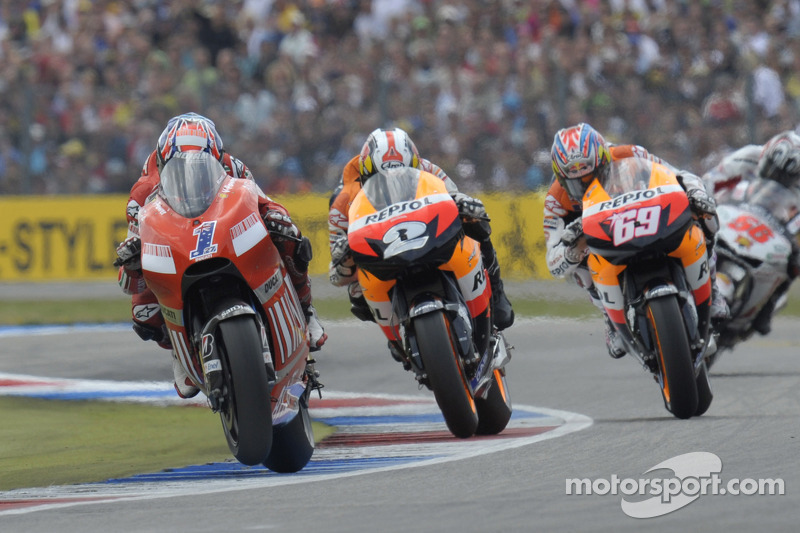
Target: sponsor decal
554	206
157	258
133	209
399	209
172	315
636	196
208	345
205	241
271	286
247	234
144	312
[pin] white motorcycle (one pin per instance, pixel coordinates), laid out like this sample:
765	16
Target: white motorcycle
758	222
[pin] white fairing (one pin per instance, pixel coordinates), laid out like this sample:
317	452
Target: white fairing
765	250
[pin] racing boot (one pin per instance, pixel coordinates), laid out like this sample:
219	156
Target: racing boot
397	354
183	385
316	333
613	342
502	312
719	307
360	308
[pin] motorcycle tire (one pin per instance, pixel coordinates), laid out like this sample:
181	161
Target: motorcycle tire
446	373
678	385
704	393
494	411
292	444
247	410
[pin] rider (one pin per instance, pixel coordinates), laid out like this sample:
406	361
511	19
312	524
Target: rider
187	132
778	160
579	155
387	148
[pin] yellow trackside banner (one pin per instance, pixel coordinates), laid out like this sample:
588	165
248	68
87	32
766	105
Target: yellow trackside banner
56	238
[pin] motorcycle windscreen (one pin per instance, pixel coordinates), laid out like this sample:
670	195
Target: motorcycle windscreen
639	207
391	187
190	181
773	198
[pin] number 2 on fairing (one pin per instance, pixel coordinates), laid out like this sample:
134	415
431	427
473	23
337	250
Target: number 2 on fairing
633	223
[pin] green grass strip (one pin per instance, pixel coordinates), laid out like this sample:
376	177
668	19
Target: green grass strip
51	442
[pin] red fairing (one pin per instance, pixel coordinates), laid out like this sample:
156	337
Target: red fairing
599	224
440	209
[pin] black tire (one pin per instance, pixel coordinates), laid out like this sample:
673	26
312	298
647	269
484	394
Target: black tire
704	393
678	385
446	374
494	411
292	444
247	411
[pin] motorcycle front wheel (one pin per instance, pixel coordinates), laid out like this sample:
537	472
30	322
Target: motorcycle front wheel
704	393
246	412
446	373
677	379
293	443
494	411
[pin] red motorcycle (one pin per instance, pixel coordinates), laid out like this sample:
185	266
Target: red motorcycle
233	315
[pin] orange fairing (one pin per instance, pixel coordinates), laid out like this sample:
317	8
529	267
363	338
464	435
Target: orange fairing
692	253
431	200
606	279
663	193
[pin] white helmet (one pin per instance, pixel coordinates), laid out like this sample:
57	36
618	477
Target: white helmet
385	149
780	159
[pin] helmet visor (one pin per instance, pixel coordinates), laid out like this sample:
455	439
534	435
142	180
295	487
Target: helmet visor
189	182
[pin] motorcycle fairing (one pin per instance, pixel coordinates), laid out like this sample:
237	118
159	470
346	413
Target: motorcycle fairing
400	217
639	205
241	255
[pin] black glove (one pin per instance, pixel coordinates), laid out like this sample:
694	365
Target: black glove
281	226
470	207
702	204
129	254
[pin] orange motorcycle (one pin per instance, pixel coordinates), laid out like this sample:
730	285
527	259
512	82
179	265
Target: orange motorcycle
650	267
233	315
428	290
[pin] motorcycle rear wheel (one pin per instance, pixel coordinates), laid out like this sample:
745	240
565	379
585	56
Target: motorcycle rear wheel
292	444
446	373
247	411
678	384
494	411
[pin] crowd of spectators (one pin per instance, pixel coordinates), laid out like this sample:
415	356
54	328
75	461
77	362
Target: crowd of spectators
295	86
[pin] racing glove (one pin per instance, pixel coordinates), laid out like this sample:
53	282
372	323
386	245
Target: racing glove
129	254
342	270
702	204
574	242
469	207
281	226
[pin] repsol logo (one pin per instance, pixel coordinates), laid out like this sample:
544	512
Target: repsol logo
632	197
396	209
